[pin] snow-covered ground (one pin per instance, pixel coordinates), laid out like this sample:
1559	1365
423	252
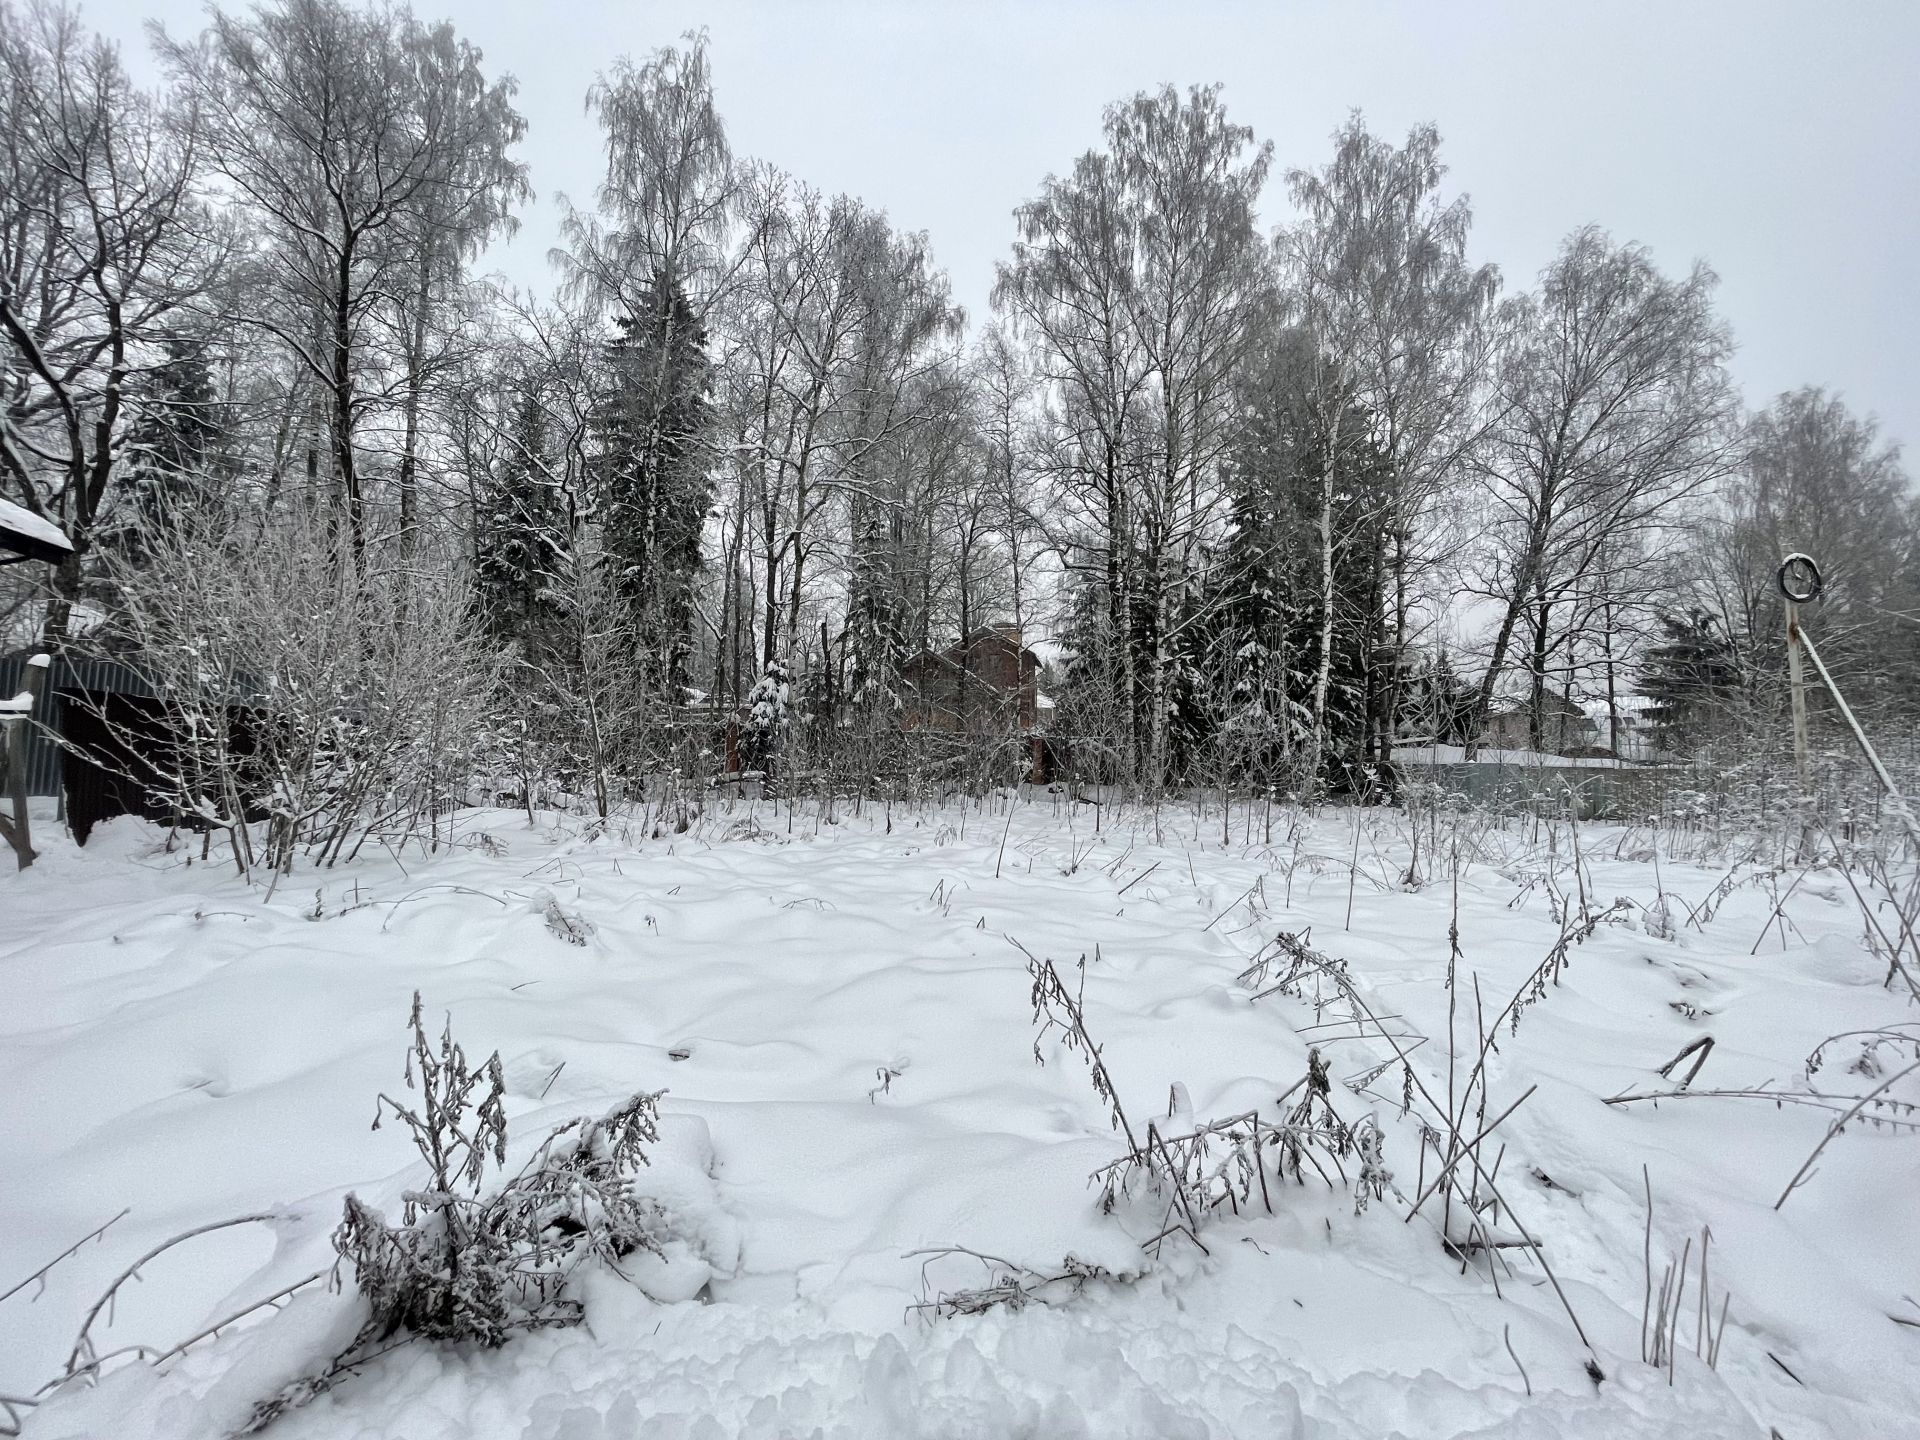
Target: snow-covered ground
859	1082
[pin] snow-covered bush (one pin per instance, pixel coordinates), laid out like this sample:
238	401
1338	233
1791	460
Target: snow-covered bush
1201	1167
334	700
467	1264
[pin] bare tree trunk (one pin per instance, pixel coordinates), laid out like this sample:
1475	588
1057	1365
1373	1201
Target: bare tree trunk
343	408
1323	671
1159	695
1537	694
416	384
1613	702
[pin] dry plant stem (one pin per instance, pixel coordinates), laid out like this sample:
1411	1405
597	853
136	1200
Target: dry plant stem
12	1404
1453	1047
1401	1055
1779	909
1014	1286
1811	1100
1048	991
1704	1298
97	1365
1673	1324
1801	1175
1646	1293
1704	1045
81	1345
1231	908
238	1315
1893	950
1579	869
1460	1150
1353	867
1905	913
1539	1254
1556	956
41	1273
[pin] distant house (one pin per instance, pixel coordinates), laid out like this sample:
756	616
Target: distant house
985	684
1565	728
1627	732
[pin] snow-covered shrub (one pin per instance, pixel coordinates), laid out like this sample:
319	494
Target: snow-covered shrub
563	924
1009	1285
461	1265
333	699
470	1265
475	1257
1225	1164
1202	1167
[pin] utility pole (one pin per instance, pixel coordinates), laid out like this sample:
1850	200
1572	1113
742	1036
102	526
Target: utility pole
1799	580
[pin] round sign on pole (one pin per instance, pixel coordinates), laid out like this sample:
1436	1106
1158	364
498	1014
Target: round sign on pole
1799	578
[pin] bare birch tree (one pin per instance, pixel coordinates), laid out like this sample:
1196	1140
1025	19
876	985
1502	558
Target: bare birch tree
369	154
1379	277
1138	281
1613	407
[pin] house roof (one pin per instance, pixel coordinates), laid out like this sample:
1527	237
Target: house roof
26	533
952	654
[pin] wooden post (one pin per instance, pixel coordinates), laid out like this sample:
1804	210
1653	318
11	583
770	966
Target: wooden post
1796	678
19	832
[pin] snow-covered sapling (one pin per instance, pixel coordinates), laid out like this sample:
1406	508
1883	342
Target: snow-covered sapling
768	717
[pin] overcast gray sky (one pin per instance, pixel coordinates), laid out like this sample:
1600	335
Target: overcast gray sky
1780	142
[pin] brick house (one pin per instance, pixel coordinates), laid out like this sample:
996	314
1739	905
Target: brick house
986	684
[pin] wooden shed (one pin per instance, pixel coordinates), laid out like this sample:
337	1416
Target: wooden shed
97	732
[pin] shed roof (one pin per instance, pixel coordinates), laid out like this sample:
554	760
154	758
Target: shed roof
28	534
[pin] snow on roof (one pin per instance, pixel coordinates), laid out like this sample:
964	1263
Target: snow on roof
26	532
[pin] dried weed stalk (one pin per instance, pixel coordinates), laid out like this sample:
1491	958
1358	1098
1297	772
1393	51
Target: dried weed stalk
1009	1284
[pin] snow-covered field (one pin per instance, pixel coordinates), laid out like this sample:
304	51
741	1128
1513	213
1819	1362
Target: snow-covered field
859	1083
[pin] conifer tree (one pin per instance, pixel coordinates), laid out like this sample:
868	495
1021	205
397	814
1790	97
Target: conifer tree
1690	672
769	713
520	541
874	640
1270	620
655	491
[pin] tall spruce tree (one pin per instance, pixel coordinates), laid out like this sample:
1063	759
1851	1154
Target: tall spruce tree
174	446
875	644
654	427
520	542
175	452
1687	676
1267	587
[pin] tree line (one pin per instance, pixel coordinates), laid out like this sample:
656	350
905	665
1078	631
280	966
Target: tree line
1284	497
